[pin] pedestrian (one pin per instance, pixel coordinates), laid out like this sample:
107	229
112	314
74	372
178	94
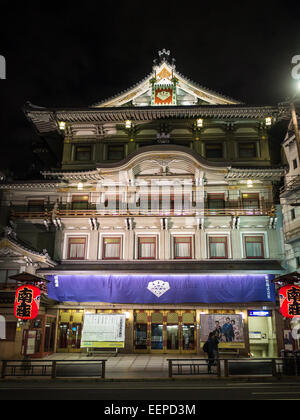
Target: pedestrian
212	350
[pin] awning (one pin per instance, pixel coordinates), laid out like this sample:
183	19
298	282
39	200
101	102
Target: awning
161	289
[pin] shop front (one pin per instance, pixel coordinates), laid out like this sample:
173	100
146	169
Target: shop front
170	314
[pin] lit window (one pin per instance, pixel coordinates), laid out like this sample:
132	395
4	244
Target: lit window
111	248
80	202
76	248
254	247
218	247
182	247
215	201
250	201
146	248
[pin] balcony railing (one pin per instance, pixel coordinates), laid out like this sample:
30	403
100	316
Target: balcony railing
291	186
267	209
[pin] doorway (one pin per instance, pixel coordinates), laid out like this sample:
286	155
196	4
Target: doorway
165	331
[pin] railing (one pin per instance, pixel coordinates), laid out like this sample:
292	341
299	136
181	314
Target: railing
266	210
54	368
292	185
272	367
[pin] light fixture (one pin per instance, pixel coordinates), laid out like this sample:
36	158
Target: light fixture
268	121
127	315
128	124
80	186
62	125
249	183
199	122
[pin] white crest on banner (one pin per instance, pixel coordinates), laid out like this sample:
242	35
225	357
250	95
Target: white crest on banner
158	287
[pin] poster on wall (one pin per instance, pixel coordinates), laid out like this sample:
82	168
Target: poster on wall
103	330
227	327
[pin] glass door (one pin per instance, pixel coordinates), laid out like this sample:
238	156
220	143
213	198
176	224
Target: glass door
141	342
188	332
173	332
63	335
157	332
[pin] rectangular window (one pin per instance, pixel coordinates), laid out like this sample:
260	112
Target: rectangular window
247	150
218	247
254	247
35	206
293	214
111	248
83	153
182	247
250	201
115	152
80	202
295	164
76	248
213	150
215	201
147	248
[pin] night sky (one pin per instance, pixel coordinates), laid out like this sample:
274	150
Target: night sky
74	55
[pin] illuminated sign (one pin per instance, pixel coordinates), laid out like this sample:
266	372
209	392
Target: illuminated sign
289	297
27	302
259	313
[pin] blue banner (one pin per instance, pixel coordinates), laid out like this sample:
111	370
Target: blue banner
162	288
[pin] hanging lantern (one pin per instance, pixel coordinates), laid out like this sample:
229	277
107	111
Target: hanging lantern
289	297
27	302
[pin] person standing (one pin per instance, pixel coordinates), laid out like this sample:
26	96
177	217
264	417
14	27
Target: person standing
212	350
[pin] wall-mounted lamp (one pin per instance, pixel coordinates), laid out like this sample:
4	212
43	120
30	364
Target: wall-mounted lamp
268	121
128	124
199	123
62	125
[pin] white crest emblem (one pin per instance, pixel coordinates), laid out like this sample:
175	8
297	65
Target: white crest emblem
158	287
163	95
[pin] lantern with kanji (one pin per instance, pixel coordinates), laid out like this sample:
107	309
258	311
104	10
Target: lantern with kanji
27	302
289	297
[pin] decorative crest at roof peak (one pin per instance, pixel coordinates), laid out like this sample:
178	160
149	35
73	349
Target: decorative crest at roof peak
164	57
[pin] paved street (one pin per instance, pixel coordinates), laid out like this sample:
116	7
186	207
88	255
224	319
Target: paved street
149	391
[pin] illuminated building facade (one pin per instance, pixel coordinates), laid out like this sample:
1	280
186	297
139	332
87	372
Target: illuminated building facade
162	208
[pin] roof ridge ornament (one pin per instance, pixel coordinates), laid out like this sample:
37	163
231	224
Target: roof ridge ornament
164	57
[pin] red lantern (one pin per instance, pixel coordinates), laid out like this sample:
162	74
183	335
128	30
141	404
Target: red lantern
290	301
27	302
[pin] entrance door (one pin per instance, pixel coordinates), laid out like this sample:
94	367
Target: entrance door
63	335
165	331
157	332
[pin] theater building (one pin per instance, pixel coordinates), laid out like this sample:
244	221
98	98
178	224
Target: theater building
163	209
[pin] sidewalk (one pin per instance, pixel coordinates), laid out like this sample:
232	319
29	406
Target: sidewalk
129	366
